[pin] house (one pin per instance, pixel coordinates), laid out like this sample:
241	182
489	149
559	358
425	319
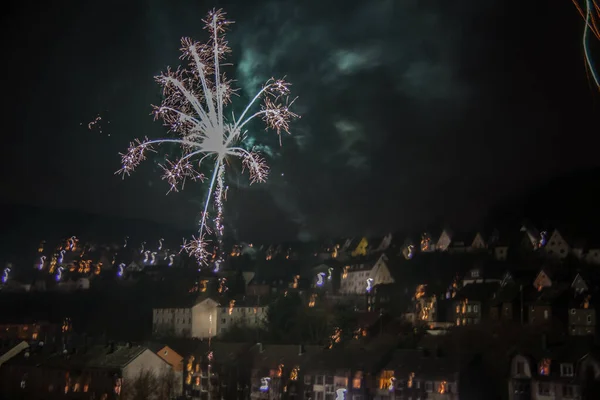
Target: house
551	372
592	256
191	316
246	311
365	274
443	243
508	303
478	242
472	302
556	245
278	370
460	243
418	374
582	316
500	249
542	280
29	332
547	305
99	371
174	359
384	244
347	371
482	273
227	364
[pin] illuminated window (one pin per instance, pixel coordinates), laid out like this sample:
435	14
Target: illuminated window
544	367
357	381
475	308
384	379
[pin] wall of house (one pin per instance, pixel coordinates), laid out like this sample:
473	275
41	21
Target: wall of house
593	256
176	321
466	314
443	242
539	314
557	246
146	361
501	252
204	319
582	321
249	316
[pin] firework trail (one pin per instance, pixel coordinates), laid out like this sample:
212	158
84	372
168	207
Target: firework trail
193	107
591	15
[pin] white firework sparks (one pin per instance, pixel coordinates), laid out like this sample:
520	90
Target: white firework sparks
193	108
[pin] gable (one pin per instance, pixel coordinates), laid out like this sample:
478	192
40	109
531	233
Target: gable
520	366
382	275
579	284
207	303
478	242
444	241
542	281
508	278
556	239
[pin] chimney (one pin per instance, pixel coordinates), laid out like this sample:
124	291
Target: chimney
301	350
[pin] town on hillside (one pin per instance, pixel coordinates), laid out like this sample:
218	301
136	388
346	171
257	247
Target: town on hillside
436	315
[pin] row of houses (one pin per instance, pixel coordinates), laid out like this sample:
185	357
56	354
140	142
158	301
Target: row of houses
374	369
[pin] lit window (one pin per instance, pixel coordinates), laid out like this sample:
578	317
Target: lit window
546	314
544	367
357	381
475	308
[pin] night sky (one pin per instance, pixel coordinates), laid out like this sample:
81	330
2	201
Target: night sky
412	110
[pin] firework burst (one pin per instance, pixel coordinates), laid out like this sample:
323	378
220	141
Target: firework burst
590	12
193	109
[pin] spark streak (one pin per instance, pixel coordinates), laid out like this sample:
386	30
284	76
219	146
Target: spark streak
194	99
591	16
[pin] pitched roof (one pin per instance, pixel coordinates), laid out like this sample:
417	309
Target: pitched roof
478	291
432	367
272	355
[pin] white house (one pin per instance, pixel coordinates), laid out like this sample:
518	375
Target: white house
241	312
195	317
204	317
444	241
478	242
355	277
556	245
